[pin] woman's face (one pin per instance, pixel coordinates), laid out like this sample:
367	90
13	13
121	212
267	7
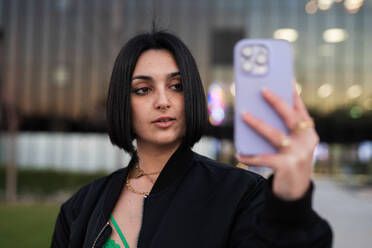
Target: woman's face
158	112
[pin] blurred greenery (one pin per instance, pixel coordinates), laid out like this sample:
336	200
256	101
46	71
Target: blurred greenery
357	167
32	224
48	182
27	225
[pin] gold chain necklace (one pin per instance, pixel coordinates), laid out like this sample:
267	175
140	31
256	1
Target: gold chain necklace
140	174
129	186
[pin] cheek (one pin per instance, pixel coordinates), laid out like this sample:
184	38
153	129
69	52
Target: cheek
141	113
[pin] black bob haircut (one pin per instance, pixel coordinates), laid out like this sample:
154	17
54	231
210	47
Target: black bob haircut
119	114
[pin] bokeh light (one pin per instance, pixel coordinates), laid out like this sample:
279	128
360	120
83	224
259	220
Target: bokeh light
321	152
216	104
335	35
324	4
353	6
325	90
311	7
288	34
60	76
355	112
365	151
354	91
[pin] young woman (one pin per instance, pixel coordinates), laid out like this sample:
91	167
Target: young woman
169	196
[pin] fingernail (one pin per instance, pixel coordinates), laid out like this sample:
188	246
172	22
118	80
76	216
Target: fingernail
246	113
246	116
264	89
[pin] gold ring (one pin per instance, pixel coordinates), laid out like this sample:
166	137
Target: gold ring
303	125
285	142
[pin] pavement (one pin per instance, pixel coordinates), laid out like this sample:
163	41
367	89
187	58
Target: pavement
347	209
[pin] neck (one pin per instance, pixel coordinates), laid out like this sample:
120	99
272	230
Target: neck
152	158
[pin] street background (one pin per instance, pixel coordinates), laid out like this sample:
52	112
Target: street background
56	57
348	210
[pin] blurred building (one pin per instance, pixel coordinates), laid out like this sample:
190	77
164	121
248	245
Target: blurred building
57	56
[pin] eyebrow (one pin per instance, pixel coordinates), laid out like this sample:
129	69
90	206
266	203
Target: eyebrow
170	75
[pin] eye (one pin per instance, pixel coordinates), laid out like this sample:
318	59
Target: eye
141	91
176	87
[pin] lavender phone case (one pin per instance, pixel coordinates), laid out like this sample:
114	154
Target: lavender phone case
260	63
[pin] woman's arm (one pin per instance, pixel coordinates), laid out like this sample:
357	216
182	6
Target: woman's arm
265	221
292	165
286	218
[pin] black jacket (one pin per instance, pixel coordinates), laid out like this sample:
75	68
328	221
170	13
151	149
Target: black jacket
195	202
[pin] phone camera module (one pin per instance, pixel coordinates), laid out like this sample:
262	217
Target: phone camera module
254	59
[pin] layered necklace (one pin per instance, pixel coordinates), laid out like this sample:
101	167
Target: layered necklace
140	173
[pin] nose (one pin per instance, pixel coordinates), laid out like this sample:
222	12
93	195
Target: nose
162	101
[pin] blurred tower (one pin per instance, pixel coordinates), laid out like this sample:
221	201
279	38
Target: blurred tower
9	119
116	30
1	77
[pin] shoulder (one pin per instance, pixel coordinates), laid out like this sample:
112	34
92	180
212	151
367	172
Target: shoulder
88	194
228	173
220	167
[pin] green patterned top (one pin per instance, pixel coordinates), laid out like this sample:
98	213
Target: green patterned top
111	243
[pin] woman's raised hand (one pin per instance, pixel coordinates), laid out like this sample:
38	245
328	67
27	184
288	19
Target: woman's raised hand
292	165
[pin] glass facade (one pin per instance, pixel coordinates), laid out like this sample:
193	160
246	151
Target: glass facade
57	55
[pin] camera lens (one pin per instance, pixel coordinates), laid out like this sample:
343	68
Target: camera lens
247	51
247	66
261	59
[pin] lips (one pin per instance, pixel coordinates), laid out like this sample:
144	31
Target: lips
164	121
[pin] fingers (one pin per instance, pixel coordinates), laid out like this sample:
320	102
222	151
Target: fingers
301	141
272	161
286	111
272	134
300	107
258	160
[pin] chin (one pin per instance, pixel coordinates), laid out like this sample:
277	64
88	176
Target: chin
166	140
161	138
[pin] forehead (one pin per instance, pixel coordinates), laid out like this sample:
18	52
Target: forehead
156	63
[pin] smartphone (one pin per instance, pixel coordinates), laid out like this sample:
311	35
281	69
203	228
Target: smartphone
260	63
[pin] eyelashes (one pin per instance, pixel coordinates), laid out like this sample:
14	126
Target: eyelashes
177	87
142	91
